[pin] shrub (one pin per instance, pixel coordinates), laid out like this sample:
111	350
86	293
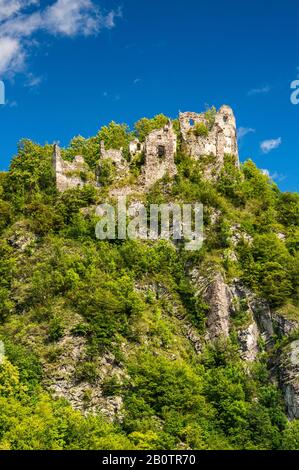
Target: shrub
145	126
200	130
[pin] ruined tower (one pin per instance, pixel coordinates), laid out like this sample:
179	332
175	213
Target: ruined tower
216	137
68	174
160	149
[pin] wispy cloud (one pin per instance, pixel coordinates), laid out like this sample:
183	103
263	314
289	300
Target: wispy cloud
243	131
9	8
266	172
33	80
268	145
279	177
111	96
137	80
11	104
259	91
69	18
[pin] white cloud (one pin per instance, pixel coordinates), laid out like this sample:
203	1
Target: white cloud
259	91
274	176
269	145
108	21
9	8
33	80
278	176
72	17
243	131
63	17
12	56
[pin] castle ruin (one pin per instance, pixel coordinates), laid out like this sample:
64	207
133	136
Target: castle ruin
68	174
160	150
200	137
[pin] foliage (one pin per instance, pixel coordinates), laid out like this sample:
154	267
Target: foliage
210	116
88	148
133	300
116	136
106	172
200	130
145	126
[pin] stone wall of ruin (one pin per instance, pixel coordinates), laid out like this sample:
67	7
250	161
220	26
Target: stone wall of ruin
68	173
221	139
160	150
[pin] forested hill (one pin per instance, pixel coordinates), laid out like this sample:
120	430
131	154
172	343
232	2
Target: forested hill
132	344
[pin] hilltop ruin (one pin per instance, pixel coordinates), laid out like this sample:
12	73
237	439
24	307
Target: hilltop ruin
199	136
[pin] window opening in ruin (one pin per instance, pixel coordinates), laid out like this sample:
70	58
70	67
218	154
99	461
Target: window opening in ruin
161	151
191	122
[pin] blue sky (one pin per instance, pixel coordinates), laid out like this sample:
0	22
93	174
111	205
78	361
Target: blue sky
70	67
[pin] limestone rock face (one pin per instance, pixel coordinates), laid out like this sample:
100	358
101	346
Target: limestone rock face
259	309
22	237
219	298
68	174
248	339
289	379
160	150
263	317
62	381
219	141
284	326
224	302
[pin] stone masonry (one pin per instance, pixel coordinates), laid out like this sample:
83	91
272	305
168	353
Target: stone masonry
160	150
116	155
221	138
68	173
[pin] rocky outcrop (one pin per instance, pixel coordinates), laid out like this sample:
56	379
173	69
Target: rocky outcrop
258	308
284	326
289	378
237	235
64	378
218	296
248	340
22	237
225	304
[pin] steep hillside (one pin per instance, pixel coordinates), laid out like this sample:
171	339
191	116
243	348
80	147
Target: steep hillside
141	344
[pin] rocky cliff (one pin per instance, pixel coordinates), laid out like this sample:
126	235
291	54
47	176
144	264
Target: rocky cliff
139	343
